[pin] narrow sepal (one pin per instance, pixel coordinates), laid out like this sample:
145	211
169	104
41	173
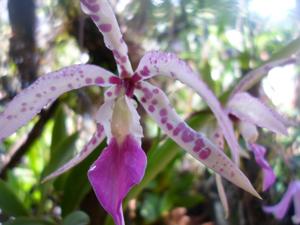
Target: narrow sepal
158	106
45	90
168	64
103	16
97	138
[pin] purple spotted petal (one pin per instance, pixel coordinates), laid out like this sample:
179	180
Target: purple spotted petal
250	109
103	16
158	106
45	90
167	64
279	210
88	148
268	173
115	172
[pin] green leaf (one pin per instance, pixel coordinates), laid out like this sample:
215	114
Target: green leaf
9	202
59	132
61	154
29	221
288	50
76	218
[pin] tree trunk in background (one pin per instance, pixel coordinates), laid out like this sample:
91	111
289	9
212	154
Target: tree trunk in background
22	48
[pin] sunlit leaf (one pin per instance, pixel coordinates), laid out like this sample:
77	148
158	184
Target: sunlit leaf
9	202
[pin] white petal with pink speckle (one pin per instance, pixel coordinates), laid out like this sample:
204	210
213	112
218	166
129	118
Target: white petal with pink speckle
88	148
168	64
158	106
45	90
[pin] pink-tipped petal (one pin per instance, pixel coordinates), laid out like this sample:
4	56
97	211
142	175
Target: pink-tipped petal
88	148
44	91
103	16
115	172
250	109
279	210
158	106
269	176
168	64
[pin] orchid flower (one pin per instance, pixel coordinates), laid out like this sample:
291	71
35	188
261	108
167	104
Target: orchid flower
122	163
280	209
251	113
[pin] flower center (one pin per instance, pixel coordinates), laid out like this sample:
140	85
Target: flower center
128	84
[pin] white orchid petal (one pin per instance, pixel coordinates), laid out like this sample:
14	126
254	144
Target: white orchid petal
168	64
45	90
88	148
250	109
103	16
158	106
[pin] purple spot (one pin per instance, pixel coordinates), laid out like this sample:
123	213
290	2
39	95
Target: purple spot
151	108
95	18
88	80
105	27
144	100
9	117
53	88
38	95
145	71
205	153
92	7
199	144
99	80
187	135
164	120
169	126
147	93
178	129
70	86
155	91
109	93
94	140
154	102
163	112
23	109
